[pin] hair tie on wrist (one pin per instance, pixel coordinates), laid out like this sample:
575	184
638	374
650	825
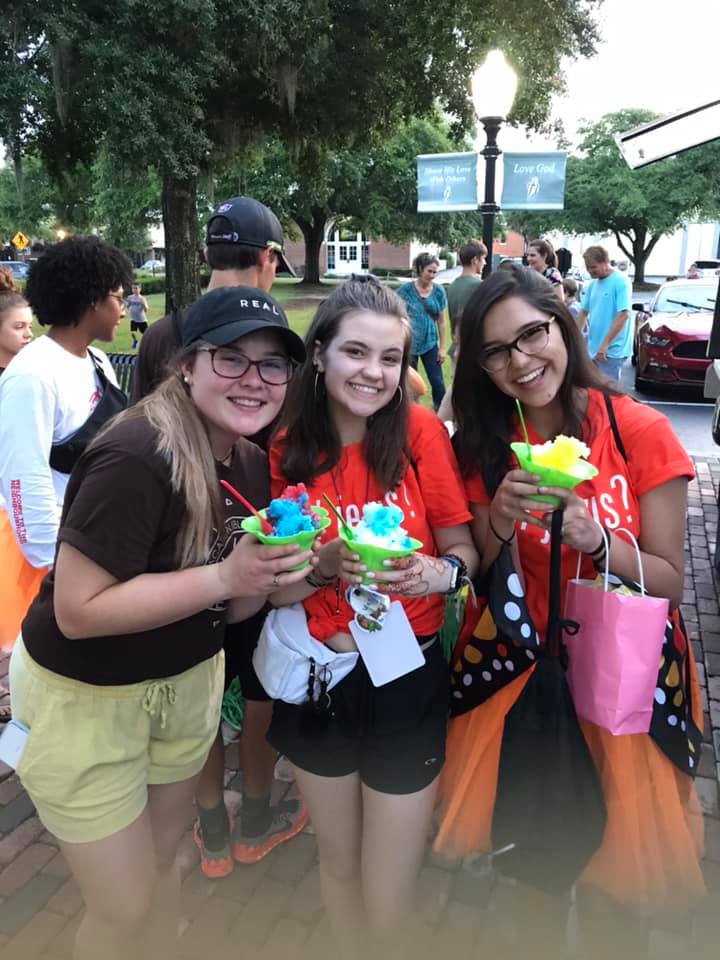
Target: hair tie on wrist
497	535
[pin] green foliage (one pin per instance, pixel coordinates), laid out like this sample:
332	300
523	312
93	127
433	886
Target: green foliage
603	195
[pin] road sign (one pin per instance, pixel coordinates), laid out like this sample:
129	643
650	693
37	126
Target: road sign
670	135
20	241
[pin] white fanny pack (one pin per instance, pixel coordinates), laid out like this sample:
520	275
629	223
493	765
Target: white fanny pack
287	657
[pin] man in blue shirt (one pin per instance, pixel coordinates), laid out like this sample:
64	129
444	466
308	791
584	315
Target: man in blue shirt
605	308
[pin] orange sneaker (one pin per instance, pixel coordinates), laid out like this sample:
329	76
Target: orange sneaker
215	864
288	819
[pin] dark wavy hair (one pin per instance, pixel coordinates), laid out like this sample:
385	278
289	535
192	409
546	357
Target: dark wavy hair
546	250
483	413
72	276
423	260
312	444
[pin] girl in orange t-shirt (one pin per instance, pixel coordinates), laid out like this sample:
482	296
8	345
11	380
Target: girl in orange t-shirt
517	342
369	773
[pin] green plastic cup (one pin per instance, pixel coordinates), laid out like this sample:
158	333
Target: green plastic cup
549	476
372	556
304	538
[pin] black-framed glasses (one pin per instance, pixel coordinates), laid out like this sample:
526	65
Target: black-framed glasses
231	365
531	341
117	296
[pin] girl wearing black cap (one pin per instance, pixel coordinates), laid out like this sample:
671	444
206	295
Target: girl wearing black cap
118	673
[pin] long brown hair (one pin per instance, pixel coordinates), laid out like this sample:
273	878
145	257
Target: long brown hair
312	444
483	413
10	294
183	442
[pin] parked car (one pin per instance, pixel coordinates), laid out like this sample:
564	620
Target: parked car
672	333
19	270
154	266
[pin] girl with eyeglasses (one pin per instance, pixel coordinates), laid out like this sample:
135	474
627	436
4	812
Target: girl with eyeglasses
518	343
368	770
54	397
118	673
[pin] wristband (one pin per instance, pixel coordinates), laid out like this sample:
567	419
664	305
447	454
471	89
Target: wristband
316	579
460	568
497	535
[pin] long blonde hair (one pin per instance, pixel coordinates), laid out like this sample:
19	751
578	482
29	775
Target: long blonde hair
184	444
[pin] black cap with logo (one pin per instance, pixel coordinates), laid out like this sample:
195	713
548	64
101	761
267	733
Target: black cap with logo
228	313
247	221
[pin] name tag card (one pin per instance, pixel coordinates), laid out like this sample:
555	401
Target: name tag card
390	649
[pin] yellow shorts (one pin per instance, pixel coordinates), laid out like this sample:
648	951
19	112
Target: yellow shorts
92	751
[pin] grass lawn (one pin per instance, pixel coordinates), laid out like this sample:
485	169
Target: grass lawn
300	303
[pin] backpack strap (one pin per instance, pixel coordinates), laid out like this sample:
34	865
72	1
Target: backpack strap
614	426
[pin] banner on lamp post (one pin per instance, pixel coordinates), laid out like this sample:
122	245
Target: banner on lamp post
533	181
447	182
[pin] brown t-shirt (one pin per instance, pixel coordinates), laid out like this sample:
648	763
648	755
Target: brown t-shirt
121	512
157	347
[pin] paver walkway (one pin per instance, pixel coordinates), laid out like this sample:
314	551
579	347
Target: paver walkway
273	911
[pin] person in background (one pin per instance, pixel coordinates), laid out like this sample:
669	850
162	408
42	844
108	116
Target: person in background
54	397
426	305
244	248
137	308
15	333
570	289
472	256
605	308
542	259
15	319
118	674
693	273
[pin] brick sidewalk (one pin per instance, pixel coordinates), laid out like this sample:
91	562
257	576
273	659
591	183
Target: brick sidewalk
274	909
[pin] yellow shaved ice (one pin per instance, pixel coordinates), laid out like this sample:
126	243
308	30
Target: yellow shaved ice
562	453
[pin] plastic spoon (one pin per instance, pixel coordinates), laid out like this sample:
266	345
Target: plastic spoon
523	428
265	526
346	528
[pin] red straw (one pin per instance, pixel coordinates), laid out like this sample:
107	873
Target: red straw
265	525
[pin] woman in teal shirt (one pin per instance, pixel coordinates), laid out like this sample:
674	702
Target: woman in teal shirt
427	308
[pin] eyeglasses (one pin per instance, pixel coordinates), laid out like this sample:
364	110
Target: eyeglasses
117	296
530	342
231	365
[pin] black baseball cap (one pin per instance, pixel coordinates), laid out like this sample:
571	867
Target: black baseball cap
228	313
247	221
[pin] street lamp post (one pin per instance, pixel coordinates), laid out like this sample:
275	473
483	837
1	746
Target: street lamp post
493	91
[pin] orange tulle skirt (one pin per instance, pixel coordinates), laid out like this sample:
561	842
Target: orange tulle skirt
653	839
19	583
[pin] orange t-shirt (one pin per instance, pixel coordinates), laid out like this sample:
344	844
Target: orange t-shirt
655	456
430	495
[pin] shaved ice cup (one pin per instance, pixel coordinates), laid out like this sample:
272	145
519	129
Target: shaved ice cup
550	476
304	539
373	556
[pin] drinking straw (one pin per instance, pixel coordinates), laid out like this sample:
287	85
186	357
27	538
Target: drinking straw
523	427
265	526
346	528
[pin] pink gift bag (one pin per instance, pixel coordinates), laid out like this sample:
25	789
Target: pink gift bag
614	657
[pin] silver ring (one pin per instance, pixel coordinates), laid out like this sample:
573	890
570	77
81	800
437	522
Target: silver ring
276	580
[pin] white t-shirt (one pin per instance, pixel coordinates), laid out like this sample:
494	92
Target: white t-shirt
46	395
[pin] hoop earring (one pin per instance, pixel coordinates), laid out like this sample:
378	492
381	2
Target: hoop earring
400	400
315	384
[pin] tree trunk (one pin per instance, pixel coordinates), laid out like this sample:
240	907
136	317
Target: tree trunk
182	273
313	232
638	252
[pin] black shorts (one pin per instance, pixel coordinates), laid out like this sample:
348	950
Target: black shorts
240	642
138	325
393	736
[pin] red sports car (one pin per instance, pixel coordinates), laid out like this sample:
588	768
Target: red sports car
672	334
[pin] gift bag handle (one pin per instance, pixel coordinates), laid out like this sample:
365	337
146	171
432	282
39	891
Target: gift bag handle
641	579
606	575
